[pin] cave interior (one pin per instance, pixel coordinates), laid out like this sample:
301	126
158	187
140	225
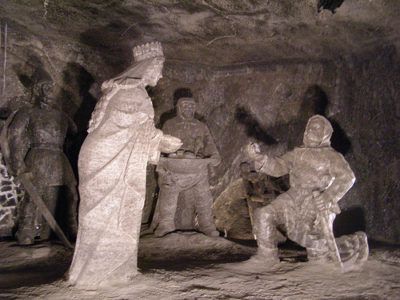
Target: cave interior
258	71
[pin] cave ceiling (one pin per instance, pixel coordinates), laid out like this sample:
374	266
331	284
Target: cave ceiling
213	32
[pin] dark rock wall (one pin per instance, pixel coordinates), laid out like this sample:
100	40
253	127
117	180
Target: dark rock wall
369	115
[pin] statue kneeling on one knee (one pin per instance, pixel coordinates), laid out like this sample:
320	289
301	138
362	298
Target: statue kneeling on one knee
185	172
319	178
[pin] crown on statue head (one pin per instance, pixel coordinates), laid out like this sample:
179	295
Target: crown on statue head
148	50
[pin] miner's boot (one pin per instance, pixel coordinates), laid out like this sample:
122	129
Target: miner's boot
265	257
266	234
363	251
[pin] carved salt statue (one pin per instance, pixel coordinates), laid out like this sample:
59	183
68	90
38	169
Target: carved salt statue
235	206
319	178
35	139
112	173
186	171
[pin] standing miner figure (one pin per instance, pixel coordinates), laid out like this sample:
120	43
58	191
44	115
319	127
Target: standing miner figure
197	145
35	137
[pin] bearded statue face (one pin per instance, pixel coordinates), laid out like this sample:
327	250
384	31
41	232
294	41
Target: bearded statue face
318	132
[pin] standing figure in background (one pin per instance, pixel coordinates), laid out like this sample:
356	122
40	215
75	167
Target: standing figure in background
197	145
319	177
112	173
35	139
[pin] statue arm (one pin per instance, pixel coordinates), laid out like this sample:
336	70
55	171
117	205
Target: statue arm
275	166
344	179
168	143
18	141
155	151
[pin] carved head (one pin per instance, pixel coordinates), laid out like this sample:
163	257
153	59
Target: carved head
186	108
151	57
46	88
154	72
45	95
43	88
245	168
318	132
146	70
282	92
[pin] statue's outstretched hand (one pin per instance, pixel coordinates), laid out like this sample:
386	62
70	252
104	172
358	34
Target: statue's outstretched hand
169	144
252	151
321	202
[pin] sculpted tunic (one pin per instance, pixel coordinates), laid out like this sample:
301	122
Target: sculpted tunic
195	136
310	169
36	137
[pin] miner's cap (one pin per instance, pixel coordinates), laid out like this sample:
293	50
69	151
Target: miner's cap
185	99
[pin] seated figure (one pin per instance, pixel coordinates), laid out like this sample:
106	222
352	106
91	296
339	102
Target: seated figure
319	177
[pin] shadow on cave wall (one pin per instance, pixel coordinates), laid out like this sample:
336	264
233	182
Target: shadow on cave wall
254	129
114	41
105	41
77	78
314	101
349	221
331	5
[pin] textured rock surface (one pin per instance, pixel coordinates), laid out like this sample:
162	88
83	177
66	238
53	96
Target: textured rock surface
248	63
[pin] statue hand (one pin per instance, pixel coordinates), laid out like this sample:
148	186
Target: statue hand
252	151
321	202
169	144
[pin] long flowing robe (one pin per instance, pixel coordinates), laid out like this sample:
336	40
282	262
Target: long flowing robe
112	174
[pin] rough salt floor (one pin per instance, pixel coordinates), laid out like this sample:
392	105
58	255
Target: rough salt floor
192	266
